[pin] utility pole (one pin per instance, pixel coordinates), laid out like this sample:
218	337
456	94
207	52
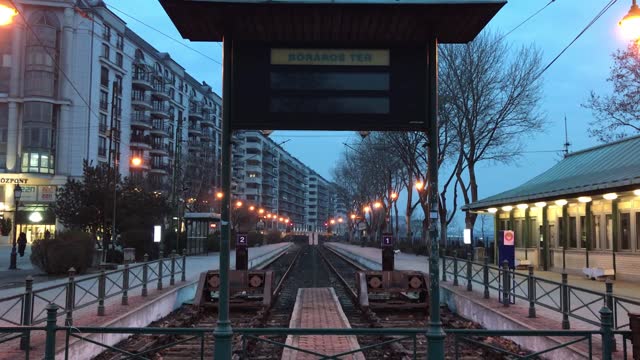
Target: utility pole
113	152
176	217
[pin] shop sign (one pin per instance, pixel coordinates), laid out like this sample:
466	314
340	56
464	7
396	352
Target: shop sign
13	181
47	193
29	194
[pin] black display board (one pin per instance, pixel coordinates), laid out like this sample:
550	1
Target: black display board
283	86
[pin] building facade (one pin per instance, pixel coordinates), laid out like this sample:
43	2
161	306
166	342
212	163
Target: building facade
267	176
581	214
76	84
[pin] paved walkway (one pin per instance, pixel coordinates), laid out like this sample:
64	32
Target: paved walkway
319	308
87	316
583	304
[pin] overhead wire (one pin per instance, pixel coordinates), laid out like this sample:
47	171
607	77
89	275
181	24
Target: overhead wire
527	20
164	34
598	16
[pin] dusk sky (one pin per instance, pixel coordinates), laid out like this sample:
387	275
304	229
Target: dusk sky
582	68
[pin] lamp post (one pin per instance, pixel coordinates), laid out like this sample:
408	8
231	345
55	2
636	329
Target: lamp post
630	24
17	193
7	12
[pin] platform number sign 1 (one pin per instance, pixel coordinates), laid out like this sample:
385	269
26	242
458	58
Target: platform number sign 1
387	240
242	240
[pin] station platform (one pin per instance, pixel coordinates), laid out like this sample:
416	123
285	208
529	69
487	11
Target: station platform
319	308
491	314
140	312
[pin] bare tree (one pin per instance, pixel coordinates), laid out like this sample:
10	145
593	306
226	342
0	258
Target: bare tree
618	115
490	99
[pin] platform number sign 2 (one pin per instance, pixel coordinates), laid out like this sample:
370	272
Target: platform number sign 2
387	240
242	240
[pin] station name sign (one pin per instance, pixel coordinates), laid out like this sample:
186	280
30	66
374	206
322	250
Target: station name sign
330	57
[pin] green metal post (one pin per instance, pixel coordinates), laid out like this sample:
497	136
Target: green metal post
587	231
506	283
606	321
531	292
444	266
485	276
614	228
545	238
102	283
160	268
145	274
125	285
435	332
183	276
223	331
469	272
26	313
564	301
172	278
527	232
71	297
455	268
496	229
565	234
50	329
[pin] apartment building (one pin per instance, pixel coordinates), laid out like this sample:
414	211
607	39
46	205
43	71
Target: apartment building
76	84
266	175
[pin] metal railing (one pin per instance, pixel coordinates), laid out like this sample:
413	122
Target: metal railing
571	302
388	336
30	307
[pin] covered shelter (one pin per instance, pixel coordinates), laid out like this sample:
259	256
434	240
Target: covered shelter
330	65
583	213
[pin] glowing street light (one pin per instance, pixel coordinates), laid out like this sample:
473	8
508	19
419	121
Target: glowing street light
367	209
630	23
239	204
260	211
6	14
219	195
332	221
377	205
340	220
353	216
394	196
251	208
419	185
135	161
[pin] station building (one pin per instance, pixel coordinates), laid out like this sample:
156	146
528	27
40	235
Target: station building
583	213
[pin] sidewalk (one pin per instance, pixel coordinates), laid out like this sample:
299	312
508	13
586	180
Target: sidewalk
405	261
87	316
495	316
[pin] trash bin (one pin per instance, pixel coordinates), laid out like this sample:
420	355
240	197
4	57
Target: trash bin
129	255
97	258
634	324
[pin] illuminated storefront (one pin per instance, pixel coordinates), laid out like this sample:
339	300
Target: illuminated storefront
35	213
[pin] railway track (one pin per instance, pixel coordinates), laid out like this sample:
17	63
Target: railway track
299	267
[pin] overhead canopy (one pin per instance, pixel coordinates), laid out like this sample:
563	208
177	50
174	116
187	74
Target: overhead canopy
451	21
606	168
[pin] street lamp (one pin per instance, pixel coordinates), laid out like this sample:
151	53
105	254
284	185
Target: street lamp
630	23
7	13
17	193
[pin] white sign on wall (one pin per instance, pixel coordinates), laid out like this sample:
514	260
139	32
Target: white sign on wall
467	236
157	233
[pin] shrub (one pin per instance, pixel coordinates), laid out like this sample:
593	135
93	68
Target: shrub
69	249
273	237
142	241
255	238
5	226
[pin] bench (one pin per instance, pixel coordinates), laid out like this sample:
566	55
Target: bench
597	273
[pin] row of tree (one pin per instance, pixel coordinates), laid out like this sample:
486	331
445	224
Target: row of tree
489	97
87	204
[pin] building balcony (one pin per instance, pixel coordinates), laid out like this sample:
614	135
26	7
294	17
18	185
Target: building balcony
160	111
208	120
194	129
141	80
160	130
160	149
195	146
160	92
142	102
208	135
141	122
163	169
140	142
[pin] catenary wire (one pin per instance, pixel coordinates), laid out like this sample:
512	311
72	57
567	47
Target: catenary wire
527	20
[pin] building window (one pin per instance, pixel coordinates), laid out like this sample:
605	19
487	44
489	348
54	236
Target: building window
104	77
609	231
120	42
103	123
102	146
119	59
560	237
37	162
104	100
105	51
583	232
638	231
106	33
119	84
625	231
573	233
597	238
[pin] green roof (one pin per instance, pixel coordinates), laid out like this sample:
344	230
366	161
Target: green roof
597	170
